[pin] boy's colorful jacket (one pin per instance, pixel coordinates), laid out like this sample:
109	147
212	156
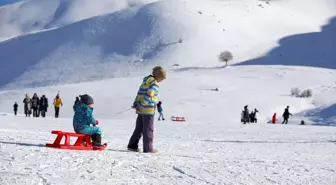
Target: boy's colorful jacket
83	119
147	96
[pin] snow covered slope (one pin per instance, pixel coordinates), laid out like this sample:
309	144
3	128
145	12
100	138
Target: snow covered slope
189	153
36	15
211	147
187	91
125	42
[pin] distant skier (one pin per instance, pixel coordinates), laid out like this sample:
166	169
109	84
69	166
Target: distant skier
83	119
35	105
246	115
144	104
15	108
43	105
27	105
274	118
57	104
286	115
160	110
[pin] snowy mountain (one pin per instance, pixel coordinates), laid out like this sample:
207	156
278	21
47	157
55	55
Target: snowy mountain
105	48
129	36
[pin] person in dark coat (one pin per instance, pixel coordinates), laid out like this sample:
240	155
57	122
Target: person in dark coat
160	110
43	106
252	117
35	105
15	108
286	115
246	115
27	105
255	115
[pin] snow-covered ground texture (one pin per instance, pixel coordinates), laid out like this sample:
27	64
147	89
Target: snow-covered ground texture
211	147
59	39
192	153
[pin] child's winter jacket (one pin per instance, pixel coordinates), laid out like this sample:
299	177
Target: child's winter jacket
160	108
147	97
83	119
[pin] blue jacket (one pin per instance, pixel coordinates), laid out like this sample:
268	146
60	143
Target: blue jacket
159	108
83	119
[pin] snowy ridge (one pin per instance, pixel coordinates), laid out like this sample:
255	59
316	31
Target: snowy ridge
123	43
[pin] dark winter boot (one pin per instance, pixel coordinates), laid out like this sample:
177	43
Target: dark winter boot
96	140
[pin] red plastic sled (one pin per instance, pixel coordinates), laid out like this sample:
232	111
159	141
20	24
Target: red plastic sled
181	119
78	144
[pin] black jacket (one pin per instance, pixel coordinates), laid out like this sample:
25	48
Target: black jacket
44	103
15	106
286	113
35	102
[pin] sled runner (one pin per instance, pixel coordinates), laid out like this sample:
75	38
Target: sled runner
79	145
181	119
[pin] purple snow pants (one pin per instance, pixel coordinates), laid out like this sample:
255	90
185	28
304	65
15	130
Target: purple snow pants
144	126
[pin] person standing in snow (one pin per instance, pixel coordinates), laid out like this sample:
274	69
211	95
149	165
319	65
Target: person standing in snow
15	108
286	115
274	118
145	104
160	110
255	115
246	115
252	117
35	105
43	105
57	104
27	106
84	122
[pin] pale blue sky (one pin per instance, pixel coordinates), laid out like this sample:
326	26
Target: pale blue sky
4	2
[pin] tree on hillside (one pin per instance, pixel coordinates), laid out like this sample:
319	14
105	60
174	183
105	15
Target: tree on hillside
225	56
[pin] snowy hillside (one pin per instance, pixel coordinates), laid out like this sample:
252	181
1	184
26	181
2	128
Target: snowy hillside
211	147
125	42
105	48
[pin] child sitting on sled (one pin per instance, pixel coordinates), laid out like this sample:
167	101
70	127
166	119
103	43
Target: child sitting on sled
83	119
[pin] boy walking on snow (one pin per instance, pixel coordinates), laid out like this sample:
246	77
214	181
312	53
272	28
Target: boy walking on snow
145	103
83	119
159	107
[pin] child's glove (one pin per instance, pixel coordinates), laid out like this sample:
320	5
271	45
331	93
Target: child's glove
136	107
97	122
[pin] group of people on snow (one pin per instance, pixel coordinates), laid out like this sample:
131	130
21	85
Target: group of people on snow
247	117
145	104
38	106
285	116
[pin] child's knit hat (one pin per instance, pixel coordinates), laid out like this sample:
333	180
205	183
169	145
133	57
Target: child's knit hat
86	99
159	72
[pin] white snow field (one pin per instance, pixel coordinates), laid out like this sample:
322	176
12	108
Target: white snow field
105	48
